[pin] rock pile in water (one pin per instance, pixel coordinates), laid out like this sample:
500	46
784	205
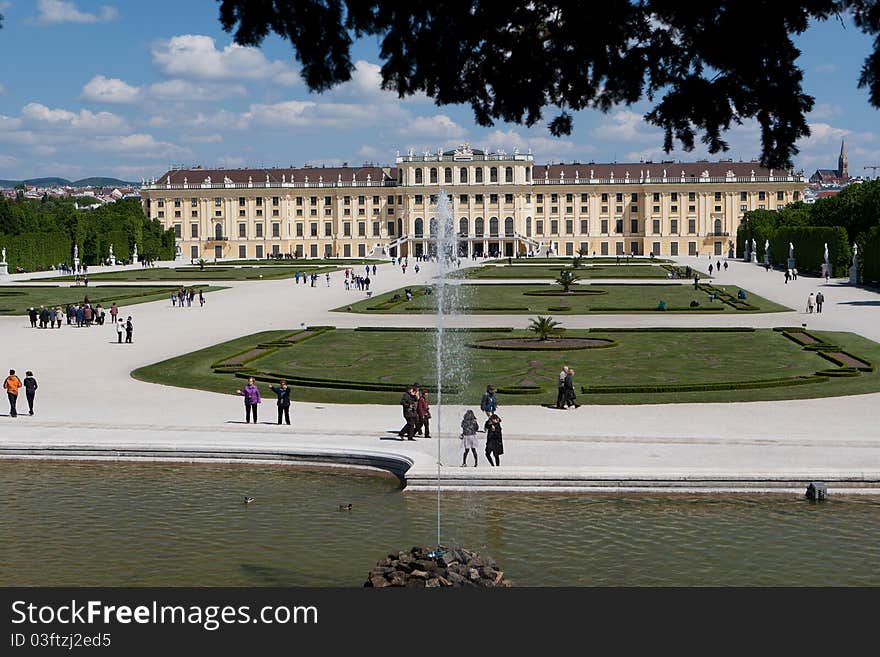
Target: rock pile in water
434	567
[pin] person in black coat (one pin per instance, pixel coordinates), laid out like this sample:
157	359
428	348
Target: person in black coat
283	393
32	315
494	444
30	390
129	329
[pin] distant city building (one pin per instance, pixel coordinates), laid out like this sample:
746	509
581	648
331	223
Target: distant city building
501	203
838	176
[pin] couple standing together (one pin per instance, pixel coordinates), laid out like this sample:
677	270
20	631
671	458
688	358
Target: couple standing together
416	412
565	396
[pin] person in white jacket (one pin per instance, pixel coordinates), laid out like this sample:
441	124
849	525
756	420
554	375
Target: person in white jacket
120	329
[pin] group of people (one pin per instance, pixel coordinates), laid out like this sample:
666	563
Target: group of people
815	301
13	385
251	394
717	267
79	314
790	275
186	296
304	278
417	414
46	317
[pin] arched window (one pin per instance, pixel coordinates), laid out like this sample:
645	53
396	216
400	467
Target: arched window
447	175
400	176
218	231
508	174
463	227
493	227
432	226
718	226
420	227
478	226
528	174
478	174
434	175
493	174
508	227
419	179
462	175
528	225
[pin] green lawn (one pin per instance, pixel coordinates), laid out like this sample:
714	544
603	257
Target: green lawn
300	262
210	273
514	299
359	363
16	299
524	270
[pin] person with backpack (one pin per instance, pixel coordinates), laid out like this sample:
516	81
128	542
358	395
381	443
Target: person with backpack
469	429
489	404
30	390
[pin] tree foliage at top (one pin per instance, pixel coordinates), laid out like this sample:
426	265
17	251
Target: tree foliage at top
705	65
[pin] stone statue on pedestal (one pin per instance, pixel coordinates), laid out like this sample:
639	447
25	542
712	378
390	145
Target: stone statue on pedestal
826	266
854	270
134	254
3	255
747	247
754	251
112	257
791	263
4	268
766	252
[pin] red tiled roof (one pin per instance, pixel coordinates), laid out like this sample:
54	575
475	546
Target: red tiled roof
258	176
656	169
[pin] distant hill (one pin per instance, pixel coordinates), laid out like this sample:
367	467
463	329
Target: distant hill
95	181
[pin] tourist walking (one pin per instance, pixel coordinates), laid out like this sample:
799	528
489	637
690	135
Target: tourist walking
810	302
469	429
424	412
494	444
30	390
570	397
489	404
120	329
409	401
114	311
201	299
32	315
560	390
12	385
787	276
283	393
129	329
251	396
820	299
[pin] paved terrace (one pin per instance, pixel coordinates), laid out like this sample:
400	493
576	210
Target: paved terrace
88	406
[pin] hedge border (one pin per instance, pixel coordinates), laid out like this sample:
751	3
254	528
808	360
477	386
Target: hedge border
610	343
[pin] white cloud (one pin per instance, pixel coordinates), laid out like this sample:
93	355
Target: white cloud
437	126
9	123
308	114
213	138
823	133
109	90
231	161
625	125
97	123
825	68
58	11
196	56
182	90
372	153
140	145
826	111
547	149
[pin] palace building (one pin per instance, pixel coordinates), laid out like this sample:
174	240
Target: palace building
501	203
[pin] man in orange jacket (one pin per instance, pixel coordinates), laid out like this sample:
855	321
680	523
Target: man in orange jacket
12	384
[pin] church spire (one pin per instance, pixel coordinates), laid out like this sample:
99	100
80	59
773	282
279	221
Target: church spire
842	165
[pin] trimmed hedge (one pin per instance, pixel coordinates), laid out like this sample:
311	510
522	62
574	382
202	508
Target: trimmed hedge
314	382
611	343
677	329
394	329
520	390
705	387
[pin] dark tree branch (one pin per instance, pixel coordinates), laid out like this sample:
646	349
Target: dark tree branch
705	65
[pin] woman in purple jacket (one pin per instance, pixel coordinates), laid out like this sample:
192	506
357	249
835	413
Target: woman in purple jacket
251	396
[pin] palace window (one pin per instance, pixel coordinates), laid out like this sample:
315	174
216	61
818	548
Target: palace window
447	175
259	228
193	230
618	225
717	196
419	179
276	229
462	175
328	229
242	230
493	174
478	174
434	174
463	199
604	226
584	226
508	198
508	174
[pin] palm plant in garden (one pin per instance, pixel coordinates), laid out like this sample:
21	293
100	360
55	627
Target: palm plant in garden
566	279
201	264
544	327
577	262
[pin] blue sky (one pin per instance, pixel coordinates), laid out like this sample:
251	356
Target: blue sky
128	88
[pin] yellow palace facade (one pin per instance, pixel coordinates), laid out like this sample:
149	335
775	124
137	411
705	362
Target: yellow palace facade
501	203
